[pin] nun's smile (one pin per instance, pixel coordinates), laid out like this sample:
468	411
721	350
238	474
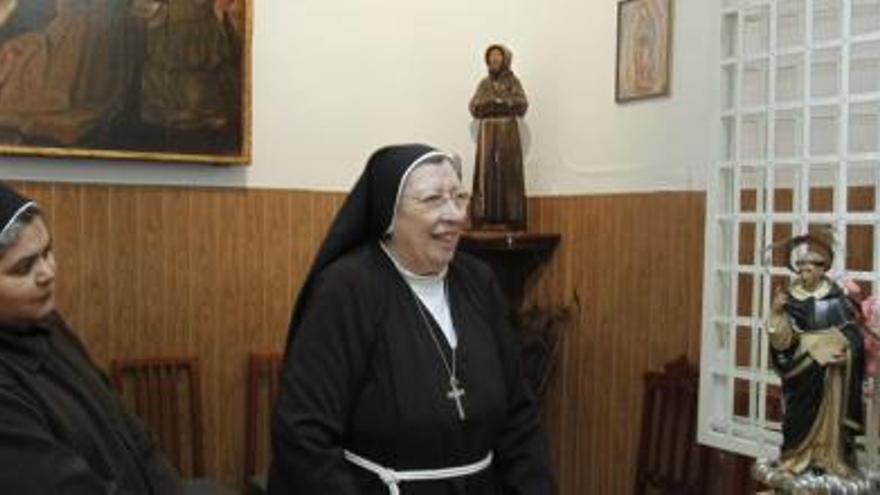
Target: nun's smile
429	219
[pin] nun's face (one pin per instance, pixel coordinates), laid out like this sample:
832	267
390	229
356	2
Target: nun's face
429	218
27	276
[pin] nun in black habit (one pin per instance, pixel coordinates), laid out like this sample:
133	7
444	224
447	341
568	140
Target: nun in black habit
62	429
400	374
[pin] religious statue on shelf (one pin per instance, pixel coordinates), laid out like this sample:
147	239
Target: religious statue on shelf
499	198
817	345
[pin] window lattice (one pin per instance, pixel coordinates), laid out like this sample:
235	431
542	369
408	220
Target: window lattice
800	152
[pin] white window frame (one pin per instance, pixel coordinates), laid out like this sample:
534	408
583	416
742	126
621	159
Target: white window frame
743	161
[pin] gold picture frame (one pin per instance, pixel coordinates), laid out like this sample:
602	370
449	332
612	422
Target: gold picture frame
153	80
644	49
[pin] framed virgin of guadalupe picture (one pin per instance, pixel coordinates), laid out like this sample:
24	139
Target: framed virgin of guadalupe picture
164	80
644	49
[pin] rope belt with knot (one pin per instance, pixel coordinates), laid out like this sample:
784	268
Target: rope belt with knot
393	478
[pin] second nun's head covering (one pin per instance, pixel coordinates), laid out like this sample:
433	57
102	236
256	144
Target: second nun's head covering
12	206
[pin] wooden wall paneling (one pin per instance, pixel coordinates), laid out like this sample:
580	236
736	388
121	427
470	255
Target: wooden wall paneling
178	229
306	227
158	337
324	208
122	292
230	250
861	199
557	413
562	410
209	315
257	335
68	230
635	276
585	431
213	272
277	242
253	273
95	241
652	333
635	262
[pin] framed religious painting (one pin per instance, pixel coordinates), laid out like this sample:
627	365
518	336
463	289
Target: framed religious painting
644	49
163	80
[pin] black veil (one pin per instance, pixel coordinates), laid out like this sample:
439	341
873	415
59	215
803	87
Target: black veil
366	214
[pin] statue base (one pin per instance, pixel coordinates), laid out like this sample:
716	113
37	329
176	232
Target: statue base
783	482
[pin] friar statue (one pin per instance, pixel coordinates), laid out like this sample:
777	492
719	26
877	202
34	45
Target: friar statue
499	198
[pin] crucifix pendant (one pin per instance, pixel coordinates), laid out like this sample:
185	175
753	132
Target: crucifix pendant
455	393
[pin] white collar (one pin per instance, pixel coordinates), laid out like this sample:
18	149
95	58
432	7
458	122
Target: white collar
410	275
801	293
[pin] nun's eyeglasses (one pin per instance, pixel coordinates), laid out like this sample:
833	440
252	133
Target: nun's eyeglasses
437	201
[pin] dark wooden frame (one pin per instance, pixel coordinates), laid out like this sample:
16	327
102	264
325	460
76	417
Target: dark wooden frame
667	83
154	383
243	156
671	399
263	379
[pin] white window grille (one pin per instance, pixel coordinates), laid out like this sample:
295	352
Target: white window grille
800	152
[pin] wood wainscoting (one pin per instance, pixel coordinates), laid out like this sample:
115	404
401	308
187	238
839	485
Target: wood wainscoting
149	271
146	271
635	263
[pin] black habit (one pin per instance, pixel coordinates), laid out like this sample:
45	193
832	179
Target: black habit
63	431
363	372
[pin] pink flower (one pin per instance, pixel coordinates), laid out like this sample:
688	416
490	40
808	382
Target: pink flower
850	288
872	356
871	313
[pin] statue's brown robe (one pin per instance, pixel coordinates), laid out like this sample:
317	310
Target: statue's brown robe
499	196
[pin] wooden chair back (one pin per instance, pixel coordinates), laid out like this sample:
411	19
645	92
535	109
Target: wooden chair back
263	376
164	392
670	461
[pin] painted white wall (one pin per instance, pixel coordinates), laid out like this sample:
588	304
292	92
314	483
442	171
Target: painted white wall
334	80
